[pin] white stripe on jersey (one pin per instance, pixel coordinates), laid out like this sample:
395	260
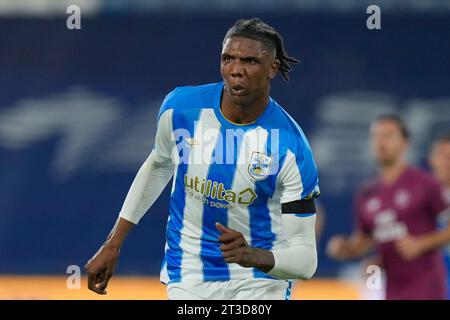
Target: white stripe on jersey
199	158
290	173
239	218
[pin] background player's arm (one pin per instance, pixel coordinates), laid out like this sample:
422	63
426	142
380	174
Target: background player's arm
412	247
360	242
353	247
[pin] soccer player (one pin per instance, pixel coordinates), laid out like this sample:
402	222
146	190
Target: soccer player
241	214
397	213
439	160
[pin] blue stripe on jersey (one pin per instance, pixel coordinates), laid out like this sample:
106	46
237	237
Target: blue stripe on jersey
307	167
260	220
214	265
182	119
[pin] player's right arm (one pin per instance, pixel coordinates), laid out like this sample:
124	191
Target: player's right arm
101	266
344	248
150	181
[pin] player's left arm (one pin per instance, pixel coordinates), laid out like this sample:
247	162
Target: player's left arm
298	260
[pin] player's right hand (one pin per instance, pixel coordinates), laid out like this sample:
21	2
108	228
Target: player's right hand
337	247
100	268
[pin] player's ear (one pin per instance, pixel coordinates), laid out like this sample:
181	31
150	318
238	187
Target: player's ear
274	66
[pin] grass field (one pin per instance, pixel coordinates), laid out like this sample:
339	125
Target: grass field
146	288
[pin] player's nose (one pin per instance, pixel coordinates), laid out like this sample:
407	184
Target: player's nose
236	69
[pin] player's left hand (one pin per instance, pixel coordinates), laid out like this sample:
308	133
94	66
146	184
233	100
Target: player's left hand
410	247
235	248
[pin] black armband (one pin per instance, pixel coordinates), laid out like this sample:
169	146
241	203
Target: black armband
299	206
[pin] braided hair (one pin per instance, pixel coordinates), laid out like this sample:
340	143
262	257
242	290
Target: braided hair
258	30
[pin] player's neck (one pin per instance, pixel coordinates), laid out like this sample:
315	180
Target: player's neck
390	173
243	114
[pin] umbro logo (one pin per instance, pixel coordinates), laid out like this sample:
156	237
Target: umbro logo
192	142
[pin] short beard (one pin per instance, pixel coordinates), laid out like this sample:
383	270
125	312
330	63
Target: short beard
387	163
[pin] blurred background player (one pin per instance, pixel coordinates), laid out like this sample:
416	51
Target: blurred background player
439	160
396	212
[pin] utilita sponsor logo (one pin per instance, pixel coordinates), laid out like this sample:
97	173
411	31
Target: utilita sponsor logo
216	190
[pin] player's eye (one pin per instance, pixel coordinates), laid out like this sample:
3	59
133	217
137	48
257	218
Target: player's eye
226	59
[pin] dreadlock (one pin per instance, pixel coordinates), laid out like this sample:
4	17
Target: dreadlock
258	30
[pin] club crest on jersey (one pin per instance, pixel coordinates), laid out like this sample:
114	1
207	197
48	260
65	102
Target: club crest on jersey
259	166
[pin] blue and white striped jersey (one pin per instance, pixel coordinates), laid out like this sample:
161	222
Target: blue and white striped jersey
238	175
